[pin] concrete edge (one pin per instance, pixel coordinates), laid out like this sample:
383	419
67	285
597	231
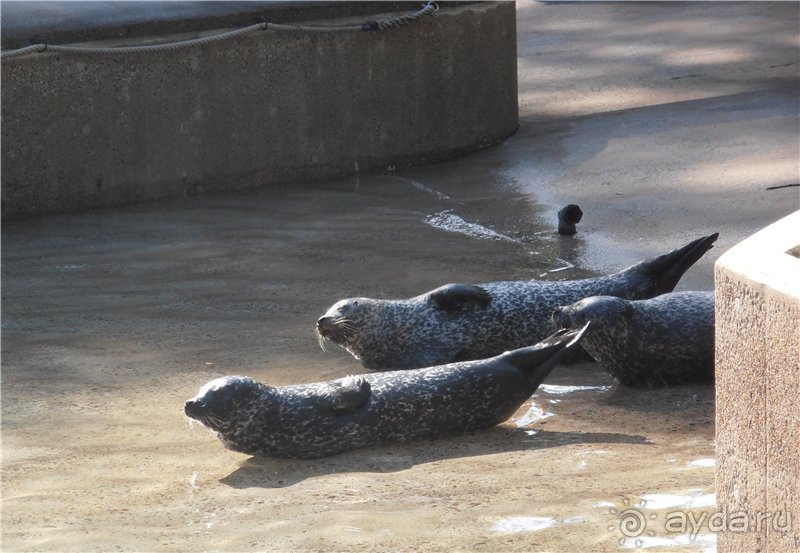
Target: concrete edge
767	257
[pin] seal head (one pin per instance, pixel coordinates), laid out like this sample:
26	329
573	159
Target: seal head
217	399
345	319
599	309
400	334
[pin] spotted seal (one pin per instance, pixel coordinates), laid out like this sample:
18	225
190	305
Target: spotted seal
326	418
660	341
458	322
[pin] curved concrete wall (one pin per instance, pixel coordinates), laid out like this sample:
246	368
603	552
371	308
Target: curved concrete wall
758	386
87	131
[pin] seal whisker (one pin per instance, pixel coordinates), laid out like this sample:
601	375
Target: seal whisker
345	323
210	421
340	334
214	419
322	341
344	327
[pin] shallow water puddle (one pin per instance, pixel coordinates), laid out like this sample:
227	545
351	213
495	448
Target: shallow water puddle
694	499
428	190
536	413
668	501
702	463
559	390
523	524
532	524
533	414
707	543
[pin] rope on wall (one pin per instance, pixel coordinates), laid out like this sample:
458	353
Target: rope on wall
430	8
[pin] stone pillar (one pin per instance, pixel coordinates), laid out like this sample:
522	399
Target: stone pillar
758	390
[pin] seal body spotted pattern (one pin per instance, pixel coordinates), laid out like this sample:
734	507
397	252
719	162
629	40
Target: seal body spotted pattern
473	321
320	419
664	340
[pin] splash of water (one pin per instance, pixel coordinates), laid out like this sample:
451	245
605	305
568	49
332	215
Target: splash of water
450	222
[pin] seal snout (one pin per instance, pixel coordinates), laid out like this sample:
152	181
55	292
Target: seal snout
324	324
193	408
326	327
337	329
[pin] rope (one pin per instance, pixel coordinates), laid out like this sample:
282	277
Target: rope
428	9
23	51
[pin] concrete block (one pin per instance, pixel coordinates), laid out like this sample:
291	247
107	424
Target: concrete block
757	390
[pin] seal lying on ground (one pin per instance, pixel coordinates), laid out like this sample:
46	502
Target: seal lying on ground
316	420
655	342
465	321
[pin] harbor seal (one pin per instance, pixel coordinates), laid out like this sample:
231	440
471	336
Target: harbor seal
458	322
316	420
655	342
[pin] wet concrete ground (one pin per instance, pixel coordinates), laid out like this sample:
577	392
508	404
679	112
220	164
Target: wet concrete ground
664	122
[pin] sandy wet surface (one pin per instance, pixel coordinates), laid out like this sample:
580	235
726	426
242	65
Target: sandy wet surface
112	319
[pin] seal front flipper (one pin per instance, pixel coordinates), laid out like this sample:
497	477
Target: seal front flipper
351	392
453	298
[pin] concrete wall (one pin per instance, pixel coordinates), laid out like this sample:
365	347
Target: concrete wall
86	131
758	389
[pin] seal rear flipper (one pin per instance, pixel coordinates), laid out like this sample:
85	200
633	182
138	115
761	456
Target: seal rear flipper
666	270
538	361
349	393
453	298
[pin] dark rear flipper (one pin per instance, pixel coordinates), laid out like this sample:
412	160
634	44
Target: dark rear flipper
666	270
537	361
